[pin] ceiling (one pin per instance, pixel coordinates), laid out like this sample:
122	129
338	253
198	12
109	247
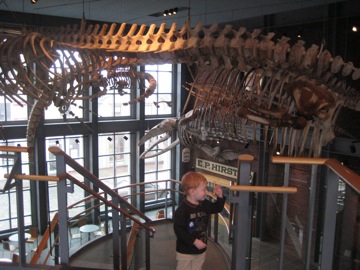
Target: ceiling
143	11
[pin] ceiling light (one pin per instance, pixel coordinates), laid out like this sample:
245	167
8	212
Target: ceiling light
33	1
354	28
169	12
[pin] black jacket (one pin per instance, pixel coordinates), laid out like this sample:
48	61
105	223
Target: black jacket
191	222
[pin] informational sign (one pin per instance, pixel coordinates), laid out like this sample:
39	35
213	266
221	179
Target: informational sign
217	168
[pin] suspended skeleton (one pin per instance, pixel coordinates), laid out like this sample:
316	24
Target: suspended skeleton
244	79
292	95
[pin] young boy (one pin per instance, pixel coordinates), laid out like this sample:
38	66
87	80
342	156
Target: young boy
191	221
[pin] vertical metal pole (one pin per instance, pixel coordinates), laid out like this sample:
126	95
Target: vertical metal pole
242	219
20	219
147	249
116	236
62	206
20	209
123	239
326	259
311	214
283	217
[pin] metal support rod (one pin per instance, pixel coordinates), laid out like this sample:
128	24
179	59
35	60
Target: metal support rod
147	250
311	214
116	235
20	218
62	207
242	219
283	218
19	208
123	238
332	185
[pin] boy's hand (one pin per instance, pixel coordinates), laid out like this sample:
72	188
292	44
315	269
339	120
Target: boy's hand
218	191
199	244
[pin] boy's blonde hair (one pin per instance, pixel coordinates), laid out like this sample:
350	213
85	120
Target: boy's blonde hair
192	180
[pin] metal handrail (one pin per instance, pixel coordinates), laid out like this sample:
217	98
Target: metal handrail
348	176
94	180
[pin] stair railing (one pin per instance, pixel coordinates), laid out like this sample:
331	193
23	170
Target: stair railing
63	160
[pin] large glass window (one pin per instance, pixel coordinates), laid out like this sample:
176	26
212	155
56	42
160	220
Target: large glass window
13	110
66	105
8	199
157	168
115	102
74	147
114	159
161	101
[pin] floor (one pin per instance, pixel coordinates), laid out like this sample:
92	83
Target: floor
265	255
98	253
162	248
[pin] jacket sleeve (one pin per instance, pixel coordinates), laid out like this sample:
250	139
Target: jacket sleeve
218	205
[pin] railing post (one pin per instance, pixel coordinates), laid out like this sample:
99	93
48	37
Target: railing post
328	238
62	208
283	217
311	214
20	211
123	238
242	218
116	235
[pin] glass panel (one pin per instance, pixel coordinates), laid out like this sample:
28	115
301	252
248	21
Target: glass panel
8	200
18	112
122	164
106	168
116	158
109	182
165	84
106	105
163	175
122	181
122	110
13	111
4	211
75	109
73	146
158	103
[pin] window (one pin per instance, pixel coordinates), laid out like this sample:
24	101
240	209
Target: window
115	147
74	147
74	110
13	111
161	101
114	161
157	168
118	94
8	200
